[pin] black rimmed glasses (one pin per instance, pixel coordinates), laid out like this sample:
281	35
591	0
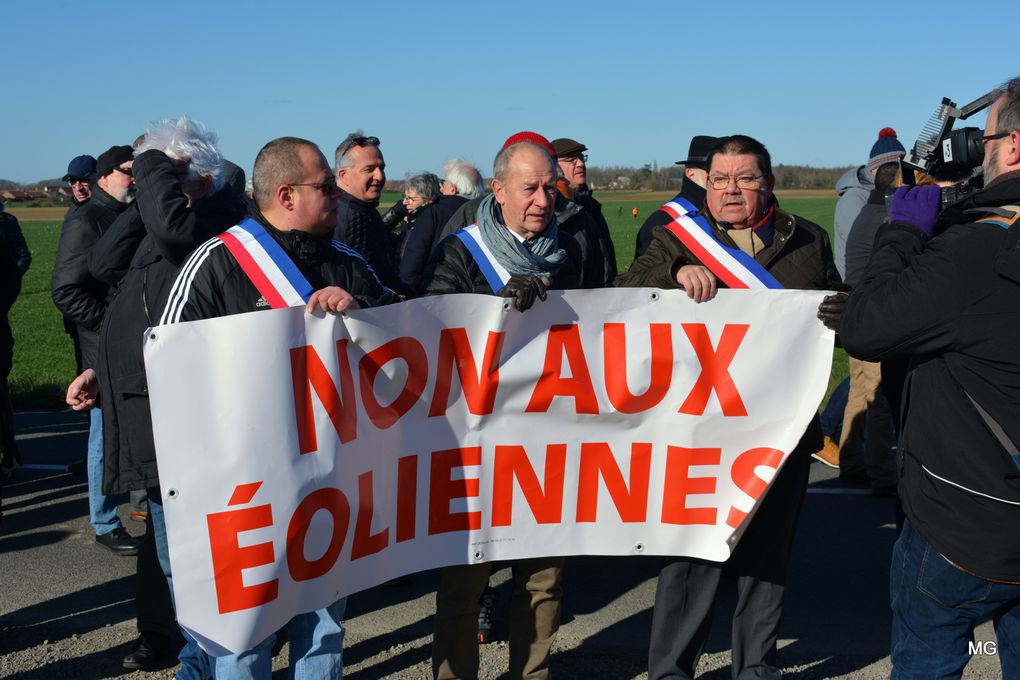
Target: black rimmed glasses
327	187
998	135
718	182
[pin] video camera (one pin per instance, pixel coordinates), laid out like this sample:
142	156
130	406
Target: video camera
941	151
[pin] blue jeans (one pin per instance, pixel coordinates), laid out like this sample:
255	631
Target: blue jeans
935	609
194	662
316	650
316	638
102	508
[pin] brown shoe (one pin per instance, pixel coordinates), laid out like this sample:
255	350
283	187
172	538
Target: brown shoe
829	455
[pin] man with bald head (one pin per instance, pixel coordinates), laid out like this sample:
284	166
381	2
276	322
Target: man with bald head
296	197
516	250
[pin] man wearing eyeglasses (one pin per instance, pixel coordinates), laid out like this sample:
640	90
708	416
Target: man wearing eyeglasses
82	299
361	176
591	229
942	291
81	173
742	214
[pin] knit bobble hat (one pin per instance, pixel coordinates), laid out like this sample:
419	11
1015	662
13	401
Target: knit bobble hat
886	150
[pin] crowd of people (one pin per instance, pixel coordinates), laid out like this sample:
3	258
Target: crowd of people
923	298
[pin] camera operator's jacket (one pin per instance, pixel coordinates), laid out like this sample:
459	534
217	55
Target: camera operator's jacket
952	305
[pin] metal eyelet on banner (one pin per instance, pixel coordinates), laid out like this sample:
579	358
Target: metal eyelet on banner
173	494
640	547
507	305
653	296
479	555
152	335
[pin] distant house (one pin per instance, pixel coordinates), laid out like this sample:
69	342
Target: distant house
14	195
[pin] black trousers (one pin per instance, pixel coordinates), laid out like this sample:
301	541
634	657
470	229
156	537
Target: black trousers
686	590
154	609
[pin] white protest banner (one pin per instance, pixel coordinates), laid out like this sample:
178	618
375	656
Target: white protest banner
304	458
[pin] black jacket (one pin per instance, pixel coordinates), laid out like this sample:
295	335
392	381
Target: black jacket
14	240
217	285
603	241
79	296
143	252
360	226
418	242
573	219
952	305
454	270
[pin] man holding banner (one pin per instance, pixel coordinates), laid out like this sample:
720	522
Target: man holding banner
283	256
514	250
741	239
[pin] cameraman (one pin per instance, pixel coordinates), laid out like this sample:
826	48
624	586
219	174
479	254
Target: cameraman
943	290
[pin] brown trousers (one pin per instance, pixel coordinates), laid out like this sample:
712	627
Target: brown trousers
534	618
865	378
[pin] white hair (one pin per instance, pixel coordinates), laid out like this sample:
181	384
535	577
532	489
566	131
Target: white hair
464	176
186	139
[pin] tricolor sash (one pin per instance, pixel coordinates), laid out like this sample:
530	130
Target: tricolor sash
495	274
732	266
272	271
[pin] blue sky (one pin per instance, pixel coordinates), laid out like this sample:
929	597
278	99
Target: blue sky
814	81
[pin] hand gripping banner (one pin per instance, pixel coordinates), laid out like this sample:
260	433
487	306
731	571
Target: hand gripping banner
305	457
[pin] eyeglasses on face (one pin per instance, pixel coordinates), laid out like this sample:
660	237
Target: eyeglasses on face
327	187
743	182
998	135
583	157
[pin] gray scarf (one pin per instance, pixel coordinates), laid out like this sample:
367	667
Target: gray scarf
542	255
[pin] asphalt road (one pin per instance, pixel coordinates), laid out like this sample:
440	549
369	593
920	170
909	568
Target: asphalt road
66	605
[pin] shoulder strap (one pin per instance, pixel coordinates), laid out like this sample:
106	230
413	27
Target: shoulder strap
1005	216
495	274
267	265
733	266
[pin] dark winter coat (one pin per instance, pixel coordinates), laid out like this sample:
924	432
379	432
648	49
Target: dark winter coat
572	219
603	249
360	226
952	305
454	270
79	296
418	242
143	252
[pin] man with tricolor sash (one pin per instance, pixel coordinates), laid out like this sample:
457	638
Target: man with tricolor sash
741	239
282	256
515	250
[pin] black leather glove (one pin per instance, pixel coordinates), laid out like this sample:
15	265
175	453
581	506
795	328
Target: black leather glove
830	311
523	288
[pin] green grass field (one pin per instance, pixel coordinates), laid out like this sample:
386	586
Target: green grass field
43	355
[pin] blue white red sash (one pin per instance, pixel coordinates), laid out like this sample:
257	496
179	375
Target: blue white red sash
272	271
732	266
495	274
